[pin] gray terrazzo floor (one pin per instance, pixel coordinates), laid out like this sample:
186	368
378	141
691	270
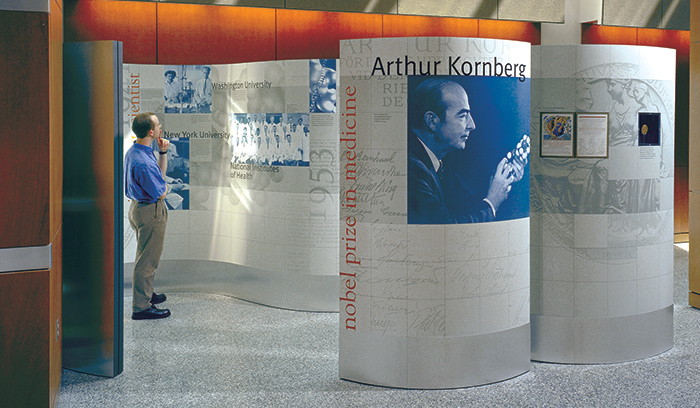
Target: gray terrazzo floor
217	351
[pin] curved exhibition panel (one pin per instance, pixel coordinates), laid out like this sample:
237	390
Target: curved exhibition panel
434	217
602	203
253	178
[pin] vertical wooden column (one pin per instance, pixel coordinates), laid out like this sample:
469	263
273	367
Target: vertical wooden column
30	211
694	159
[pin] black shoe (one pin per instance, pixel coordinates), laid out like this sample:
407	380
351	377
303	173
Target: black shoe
151	313
157	299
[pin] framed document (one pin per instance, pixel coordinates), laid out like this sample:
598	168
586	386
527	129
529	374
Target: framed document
592	135
557	134
649	129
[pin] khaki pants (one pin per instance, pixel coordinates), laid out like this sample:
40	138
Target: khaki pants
148	221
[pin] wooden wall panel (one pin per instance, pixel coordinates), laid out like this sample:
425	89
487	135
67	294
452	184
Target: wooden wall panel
417	26
694	157
679	40
55	197
31	167
694	102
132	23
24	134
694	255
595	34
680	200
24	332
316	34
510	30
55	315
202	34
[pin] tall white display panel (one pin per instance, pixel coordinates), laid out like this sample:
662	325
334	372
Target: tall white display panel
434	216
602	227
253	178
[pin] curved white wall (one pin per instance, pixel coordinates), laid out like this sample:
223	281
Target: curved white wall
430	305
253	222
602	229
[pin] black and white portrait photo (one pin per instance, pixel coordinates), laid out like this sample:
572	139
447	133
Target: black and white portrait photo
187	89
464	160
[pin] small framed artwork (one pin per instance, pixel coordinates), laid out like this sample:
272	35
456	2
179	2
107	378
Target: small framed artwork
557	134
592	135
649	128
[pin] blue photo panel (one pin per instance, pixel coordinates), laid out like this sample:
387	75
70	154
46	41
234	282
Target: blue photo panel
468	149
187	89
322	85
649	129
278	139
178	174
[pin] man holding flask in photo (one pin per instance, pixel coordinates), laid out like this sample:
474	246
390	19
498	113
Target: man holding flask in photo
440	122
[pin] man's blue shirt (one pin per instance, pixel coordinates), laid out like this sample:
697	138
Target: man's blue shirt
143	178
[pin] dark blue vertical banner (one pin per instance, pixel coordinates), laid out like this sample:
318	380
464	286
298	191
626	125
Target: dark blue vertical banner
322	85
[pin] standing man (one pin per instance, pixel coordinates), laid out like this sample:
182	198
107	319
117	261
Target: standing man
441	123
144	177
203	92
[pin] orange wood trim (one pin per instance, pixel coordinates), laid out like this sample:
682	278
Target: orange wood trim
316	34
676	39
56	197
55	118
203	34
132	23
680	201
418	26
174	33
596	34
510	30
